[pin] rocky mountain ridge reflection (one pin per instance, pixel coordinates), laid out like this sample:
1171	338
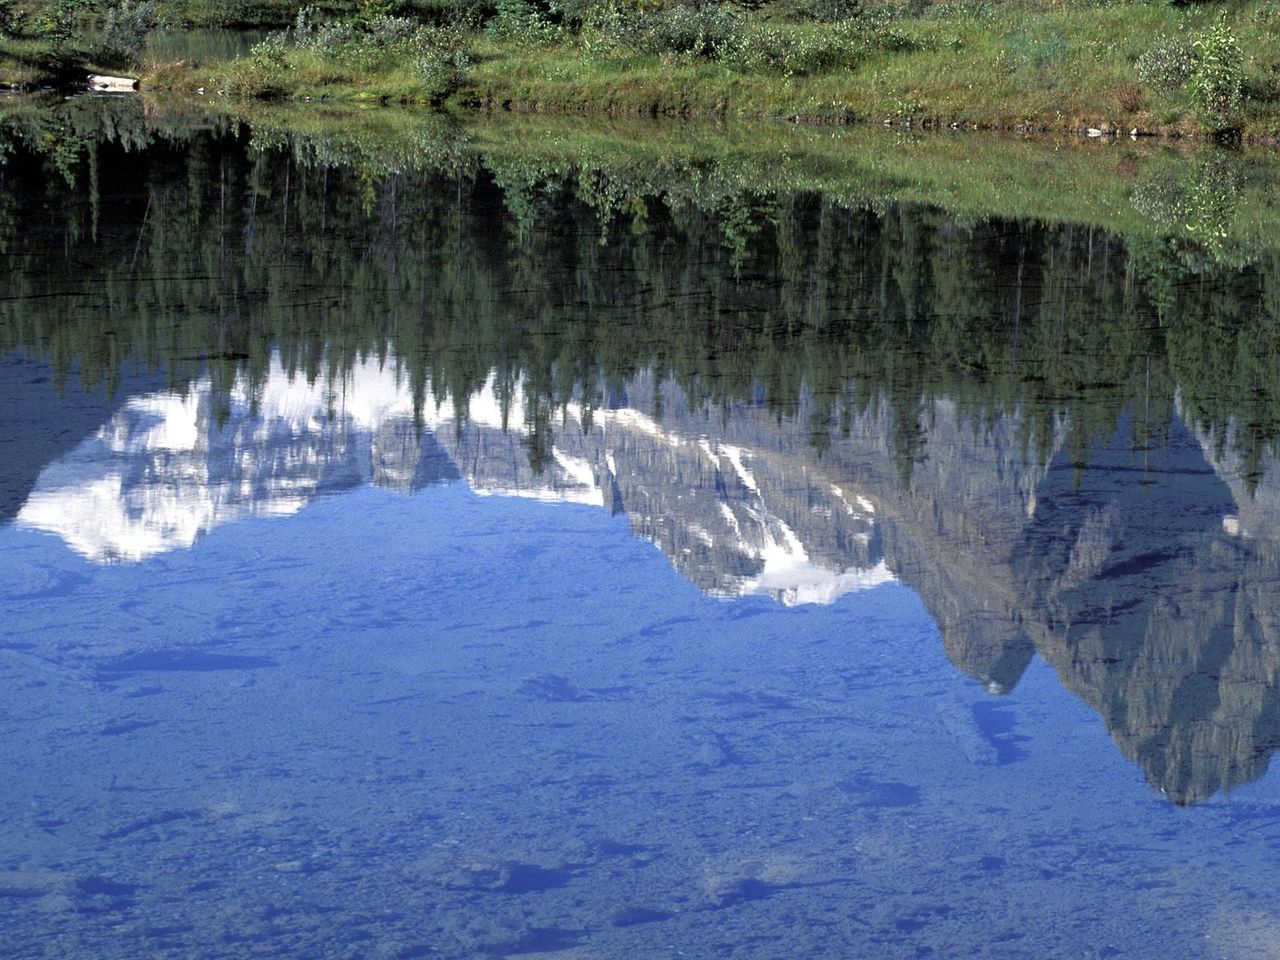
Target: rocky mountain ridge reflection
1145	575
168	468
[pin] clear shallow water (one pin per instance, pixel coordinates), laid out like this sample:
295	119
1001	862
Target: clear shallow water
533	624
475	726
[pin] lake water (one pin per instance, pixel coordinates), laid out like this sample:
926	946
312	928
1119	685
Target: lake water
432	542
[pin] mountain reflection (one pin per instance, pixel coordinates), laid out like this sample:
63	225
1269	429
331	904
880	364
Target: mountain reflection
168	468
1139	574
1063	439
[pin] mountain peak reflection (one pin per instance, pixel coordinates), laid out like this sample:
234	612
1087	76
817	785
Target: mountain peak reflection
168	468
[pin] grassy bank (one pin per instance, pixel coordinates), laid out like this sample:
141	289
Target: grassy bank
1046	65
1025	65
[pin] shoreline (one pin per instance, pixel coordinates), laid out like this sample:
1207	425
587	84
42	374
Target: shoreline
1120	69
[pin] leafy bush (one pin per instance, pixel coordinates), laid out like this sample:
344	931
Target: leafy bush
1263	86
437	55
522	22
765	49
877	29
1216	83
961	10
832	11
686	31
8	19
1168	65
272	52
576	15
125	29
60	22
723	33
442	68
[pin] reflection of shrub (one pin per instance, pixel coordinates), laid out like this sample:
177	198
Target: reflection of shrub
1168	64
1216	83
1202	206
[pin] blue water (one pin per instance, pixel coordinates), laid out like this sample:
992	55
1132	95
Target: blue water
455	725
587	559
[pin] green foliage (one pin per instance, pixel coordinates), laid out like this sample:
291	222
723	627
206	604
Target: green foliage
272	53
437	57
832	11
126	27
724	34
1216	83
60	22
10	19
442	66
767	49
1168	64
687	31
522	22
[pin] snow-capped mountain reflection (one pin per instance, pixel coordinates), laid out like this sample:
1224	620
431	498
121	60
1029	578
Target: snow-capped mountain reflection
168	468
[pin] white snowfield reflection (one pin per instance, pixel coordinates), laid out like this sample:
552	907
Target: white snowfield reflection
169	468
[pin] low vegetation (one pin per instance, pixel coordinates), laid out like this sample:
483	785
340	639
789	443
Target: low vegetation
1111	65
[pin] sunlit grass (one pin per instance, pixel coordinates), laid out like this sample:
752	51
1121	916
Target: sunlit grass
1011	66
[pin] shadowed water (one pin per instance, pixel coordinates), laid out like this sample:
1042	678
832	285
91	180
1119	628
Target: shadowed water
529	554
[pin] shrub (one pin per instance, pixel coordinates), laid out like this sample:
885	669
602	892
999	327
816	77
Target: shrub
125	29
686	31
59	23
437	55
1168	64
521	22
765	49
877	29
832	11
1216	83
272	52
442	68
575	15
8	19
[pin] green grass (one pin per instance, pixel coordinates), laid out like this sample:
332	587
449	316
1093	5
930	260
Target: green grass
1021	65
1054	69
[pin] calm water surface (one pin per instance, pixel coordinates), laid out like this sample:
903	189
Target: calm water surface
499	556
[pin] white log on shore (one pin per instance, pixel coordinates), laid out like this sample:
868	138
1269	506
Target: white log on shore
107	84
